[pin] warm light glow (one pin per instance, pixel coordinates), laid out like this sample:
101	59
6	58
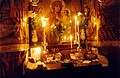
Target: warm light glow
31	14
44	20
99	0
34	14
95	37
75	18
85	13
36	52
65	38
94	19
45	51
25	19
70	37
70	21
44	24
79	13
77	23
23	24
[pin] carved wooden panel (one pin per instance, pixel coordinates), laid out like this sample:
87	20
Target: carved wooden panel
12	29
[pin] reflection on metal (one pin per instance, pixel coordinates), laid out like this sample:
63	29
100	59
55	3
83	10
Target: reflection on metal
34	2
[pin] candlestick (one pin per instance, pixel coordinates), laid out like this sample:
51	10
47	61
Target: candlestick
75	28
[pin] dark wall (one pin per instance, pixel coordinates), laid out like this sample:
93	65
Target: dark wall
111	30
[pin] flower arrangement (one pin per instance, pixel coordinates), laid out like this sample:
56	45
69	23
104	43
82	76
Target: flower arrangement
59	30
83	26
84	22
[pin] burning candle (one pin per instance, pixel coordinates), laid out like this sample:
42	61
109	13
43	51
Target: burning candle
70	21
43	25
70	26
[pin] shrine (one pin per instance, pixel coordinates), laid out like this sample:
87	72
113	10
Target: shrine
59	38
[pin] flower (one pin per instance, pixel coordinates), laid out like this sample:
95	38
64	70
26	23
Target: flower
59	29
84	22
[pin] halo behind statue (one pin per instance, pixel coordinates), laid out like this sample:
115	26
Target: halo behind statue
69	12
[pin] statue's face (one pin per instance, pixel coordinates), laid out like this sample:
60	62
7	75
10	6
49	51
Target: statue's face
57	8
66	13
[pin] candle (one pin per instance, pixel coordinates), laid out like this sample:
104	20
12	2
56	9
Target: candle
96	26
43	25
71	41
75	27
94	21
78	31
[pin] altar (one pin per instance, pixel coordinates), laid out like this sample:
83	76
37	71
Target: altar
65	63
56	71
62	38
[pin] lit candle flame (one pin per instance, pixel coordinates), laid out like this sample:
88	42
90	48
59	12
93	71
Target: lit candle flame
79	13
75	18
43	22
71	38
70	21
25	19
77	23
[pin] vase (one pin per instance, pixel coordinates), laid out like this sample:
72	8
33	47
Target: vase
82	37
34	37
